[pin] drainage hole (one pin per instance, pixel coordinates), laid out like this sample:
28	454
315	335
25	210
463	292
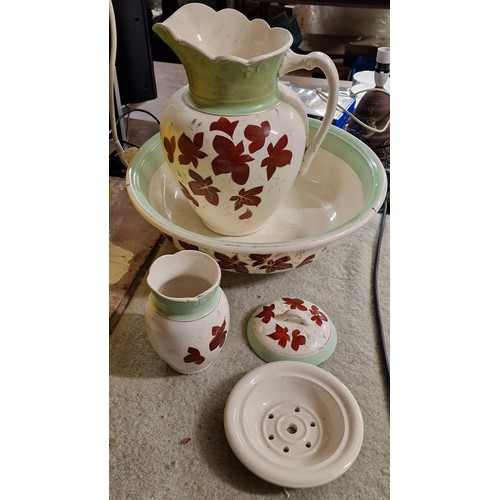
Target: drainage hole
286	449
313	424
308	444
271	437
297	409
291	429
270	416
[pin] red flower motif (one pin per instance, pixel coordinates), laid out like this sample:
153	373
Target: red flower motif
190	149
277	265
246	215
203	187
295	304
297	340
317	316
194	356
257	135
266	314
278	156
307	260
281	335
231	263
219	333
187	246
247	197
231	160
187	194
259	259
169	145
224	125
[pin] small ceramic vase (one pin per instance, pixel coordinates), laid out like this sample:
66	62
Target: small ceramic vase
187	313
235	138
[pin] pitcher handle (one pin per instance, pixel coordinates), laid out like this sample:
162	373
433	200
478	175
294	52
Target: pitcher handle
293	62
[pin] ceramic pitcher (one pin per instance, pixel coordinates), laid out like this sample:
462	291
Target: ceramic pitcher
187	313
235	137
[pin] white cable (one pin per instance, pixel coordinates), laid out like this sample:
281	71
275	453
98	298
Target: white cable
372	129
112	60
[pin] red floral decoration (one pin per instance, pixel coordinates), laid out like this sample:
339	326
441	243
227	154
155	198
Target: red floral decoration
247	197
257	135
297	340
259	259
194	356
219	333
277	265
266	314
231	160
307	260
187	246
246	215
295	304
317	316
278	156
187	194
190	149
224	125
231	263
169	145
203	187
281	335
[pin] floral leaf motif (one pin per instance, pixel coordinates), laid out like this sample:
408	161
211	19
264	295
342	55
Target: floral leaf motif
257	135
247	197
187	194
317	316
278	156
194	356
231	160
246	215
169	145
297	340
295	304
307	260
190	149
230	263
224	125
187	246
281	335
259	259
277	265
266	314
219	333
203	187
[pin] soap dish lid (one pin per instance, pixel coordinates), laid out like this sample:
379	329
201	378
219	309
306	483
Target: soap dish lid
291	329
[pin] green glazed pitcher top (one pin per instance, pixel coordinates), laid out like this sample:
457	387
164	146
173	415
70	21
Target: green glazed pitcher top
232	64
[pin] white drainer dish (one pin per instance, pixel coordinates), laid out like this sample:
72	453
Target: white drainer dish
293	424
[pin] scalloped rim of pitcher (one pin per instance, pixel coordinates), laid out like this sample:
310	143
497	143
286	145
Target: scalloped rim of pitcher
238	17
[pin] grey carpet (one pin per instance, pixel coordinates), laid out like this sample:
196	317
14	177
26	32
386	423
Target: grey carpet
167	437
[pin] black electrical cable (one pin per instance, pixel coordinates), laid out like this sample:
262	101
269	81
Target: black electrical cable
126	113
375	287
130	144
